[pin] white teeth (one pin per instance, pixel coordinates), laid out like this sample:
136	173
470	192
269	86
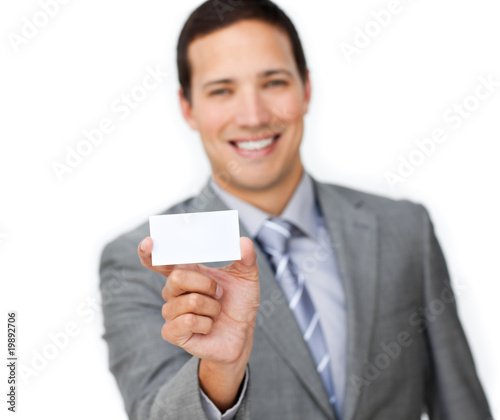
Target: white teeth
255	145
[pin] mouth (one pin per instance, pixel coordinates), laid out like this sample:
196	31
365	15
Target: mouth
257	147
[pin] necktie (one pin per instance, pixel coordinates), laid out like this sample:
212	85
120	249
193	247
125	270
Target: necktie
274	238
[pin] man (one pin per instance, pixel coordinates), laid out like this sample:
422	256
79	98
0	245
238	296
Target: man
340	307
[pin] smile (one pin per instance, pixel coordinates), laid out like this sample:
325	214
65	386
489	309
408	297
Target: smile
255	145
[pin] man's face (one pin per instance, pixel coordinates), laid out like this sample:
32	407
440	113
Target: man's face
248	103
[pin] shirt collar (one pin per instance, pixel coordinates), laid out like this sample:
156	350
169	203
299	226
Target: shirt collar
301	210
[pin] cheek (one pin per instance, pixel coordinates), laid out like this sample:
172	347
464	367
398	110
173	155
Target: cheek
212	119
208	124
287	110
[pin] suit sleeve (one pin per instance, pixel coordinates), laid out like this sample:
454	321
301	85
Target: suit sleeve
454	391
158	381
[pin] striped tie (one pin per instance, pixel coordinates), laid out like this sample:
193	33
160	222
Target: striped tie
274	238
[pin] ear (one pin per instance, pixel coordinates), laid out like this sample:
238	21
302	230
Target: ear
307	93
187	110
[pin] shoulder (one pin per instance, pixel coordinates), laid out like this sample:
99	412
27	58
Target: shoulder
383	208
403	226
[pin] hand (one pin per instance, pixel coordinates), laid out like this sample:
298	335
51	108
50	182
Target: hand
210	313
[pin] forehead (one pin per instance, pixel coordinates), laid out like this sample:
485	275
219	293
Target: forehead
245	48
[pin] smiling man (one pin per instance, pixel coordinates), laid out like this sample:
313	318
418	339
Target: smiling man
331	312
247	99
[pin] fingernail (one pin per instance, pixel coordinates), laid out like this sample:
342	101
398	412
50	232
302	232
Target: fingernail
143	245
218	291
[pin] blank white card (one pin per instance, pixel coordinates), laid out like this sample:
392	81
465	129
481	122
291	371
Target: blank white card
195	237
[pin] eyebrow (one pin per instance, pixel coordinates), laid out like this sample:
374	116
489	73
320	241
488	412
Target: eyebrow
273	72
262	75
217	82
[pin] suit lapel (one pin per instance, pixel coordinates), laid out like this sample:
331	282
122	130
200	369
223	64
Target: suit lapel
354	235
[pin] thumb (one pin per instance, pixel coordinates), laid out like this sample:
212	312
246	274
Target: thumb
247	266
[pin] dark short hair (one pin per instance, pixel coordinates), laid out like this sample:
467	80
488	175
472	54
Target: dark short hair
213	15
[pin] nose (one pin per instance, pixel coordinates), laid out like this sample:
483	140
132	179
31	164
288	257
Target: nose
251	110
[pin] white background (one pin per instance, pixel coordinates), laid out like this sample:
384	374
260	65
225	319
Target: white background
363	116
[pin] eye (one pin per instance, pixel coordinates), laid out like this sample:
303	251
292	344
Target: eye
276	83
219	92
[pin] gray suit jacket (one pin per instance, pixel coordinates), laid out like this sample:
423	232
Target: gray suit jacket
407	352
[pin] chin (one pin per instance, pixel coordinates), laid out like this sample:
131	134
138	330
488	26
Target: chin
258	182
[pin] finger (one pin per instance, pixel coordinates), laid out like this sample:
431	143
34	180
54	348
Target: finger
248	255
181	329
191	303
144	250
247	266
183	281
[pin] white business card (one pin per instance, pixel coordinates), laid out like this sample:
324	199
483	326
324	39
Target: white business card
187	238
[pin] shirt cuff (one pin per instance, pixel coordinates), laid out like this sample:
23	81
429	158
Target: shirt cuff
213	413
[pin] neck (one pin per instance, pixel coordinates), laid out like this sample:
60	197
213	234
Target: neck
272	199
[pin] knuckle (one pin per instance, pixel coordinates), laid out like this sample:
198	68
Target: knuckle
173	282
176	277
165	311
190	320
165	293
193	301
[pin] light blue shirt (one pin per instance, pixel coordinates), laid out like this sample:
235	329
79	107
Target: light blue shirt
314	256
